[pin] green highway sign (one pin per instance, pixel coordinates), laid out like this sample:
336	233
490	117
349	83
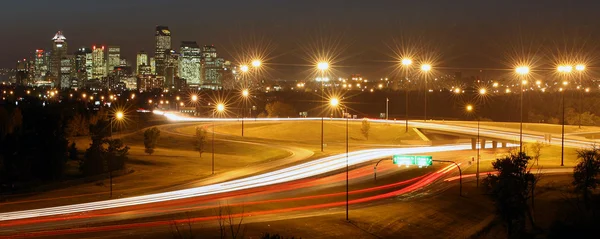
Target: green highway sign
413	160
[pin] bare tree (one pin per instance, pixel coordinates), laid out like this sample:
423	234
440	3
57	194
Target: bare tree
201	139
227	222
365	128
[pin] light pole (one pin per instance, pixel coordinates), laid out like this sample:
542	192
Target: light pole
470	109
425	68
322	67
522	71
220	108
245	94
387	108
334	103
580	68
118	116
406	62
564	70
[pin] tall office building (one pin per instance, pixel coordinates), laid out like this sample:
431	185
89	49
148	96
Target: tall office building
22	72
81	63
212	68
40	66
113	58
59	50
171	68
65	72
152	65
190	62
141	60
163	44
98	64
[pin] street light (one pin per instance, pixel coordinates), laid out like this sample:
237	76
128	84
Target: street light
470	109
425	68
244	68
119	115
563	69
219	109
335	102
482	91
580	68
256	63
245	94
522	71
406	62
194	98
322	67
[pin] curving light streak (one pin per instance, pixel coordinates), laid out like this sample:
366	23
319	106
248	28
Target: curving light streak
308	169
468	130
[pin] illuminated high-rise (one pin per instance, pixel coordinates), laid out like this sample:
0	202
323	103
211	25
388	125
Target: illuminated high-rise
59	50
40	66
212	68
163	44
113	58
141	60
98	63
81	63
190	62
65	72
152	65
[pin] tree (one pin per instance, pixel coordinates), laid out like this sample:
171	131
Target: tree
150	139
510	190
201	139
586	175
365	127
537	151
279	109
73	152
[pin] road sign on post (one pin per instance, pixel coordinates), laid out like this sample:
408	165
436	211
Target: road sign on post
421	161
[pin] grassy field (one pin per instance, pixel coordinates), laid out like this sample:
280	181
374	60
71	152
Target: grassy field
310	132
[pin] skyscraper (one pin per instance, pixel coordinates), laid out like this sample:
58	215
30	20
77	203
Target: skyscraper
65	72
98	64
142	60
40	65
163	44
190	62
59	50
171	68
152	65
212	68
113	58
81	63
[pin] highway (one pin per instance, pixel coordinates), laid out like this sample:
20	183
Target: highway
292	178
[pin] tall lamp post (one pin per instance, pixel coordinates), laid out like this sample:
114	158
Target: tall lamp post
426	68
119	115
471	109
522	71
564	70
334	103
580	68
245	94
322	67
219	109
406	62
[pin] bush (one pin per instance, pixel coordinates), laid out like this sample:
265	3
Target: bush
150	139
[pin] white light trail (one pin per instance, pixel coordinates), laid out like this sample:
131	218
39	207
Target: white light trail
305	170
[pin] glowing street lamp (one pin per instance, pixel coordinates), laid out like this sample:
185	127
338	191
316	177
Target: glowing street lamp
522	71
244	68
219	108
482	91
425	68
406	62
470	109
256	63
580	68
323	66
334	102
194	98
245	94
119	115
565	70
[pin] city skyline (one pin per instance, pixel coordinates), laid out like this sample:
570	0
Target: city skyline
457	31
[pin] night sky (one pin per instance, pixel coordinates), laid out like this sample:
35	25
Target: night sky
465	33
